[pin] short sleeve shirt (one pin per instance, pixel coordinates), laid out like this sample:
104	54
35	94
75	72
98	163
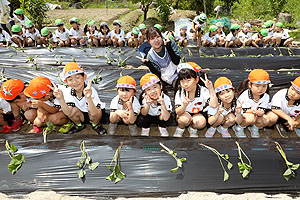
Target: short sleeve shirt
196	21
88	34
117	104
250	103
120	36
5	106
155	110
208	38
20	20
75	33
242	35
230	37
280	101
221	35
62	35
284	34
32	35
4	36
198	104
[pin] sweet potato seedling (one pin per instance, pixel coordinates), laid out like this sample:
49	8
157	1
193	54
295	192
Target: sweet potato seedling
244	168
49	129
16	159
224	157
291	167
174	155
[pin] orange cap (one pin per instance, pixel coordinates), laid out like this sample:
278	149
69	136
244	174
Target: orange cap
148	79
259	76
72	68
38	87
296	84
222	83
189	65
126	82
11	89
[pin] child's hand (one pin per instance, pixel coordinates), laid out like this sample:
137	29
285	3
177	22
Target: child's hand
208	84
148	100
238	108
220	108
292	124
185	100
56	92
36	104
129	103
161	99
260	112
88	90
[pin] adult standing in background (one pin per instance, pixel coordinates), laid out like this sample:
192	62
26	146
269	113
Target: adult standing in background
6	15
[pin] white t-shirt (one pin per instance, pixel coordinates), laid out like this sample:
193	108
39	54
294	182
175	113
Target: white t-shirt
53	37
117	104
155	110
249	103
208	38
230	37
62	35
33	35
212	111
270	33
284	34
94	34
4	106
198	104
4	36
179	36
242	35
220	35
76	33
71	99
202	26
21	21
280	101
48	102
107	36
120	36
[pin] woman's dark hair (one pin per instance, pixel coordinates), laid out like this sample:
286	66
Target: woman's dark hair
101	27
245	85
152	31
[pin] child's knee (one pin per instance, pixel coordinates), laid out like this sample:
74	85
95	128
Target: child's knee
184	121
199	122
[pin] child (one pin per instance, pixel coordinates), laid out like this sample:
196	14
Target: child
62	34
286	107
224	117
125	106
281	37
12	92
142	35
18	36
183	37
47	37
105	36
76	33
209	39
79	102
156	106
19	16
254	97
5	39
220	36
41	109
245	36
92	33
6	117
199	24
118	34
32	35
191	99
232	39
133	37
260	39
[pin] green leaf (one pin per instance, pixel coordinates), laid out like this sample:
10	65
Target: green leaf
287	172
226	176
88	160
245	173
19	157
226	156
229	165
93	166
13	148
295	166
183	159
108	166
175	169
81	173
12	169
15	162
79	164
179	163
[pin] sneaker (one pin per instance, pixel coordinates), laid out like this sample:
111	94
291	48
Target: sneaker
239	131
297	130
163	132
133	130
75	129
145	132
224	132
178	132
6	129
17	124
112	129
254	131
210	132
193	132
99	129
66	127
36	129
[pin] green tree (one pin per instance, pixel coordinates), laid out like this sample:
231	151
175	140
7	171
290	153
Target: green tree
164	11
277	6
36	10
144	5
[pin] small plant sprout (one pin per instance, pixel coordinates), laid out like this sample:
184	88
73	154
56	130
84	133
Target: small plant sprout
232	54
224	157
117	175
32	61
291	167
85	160
174	155
189	52
98	77
244	168
49	129
16	159
3	78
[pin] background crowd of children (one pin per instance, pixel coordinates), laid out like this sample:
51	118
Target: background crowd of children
198	104
25	34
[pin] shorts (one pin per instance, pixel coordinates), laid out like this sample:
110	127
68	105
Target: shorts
282	42
4	42
148	120
86	117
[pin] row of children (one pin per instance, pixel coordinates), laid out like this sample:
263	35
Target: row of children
197	103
